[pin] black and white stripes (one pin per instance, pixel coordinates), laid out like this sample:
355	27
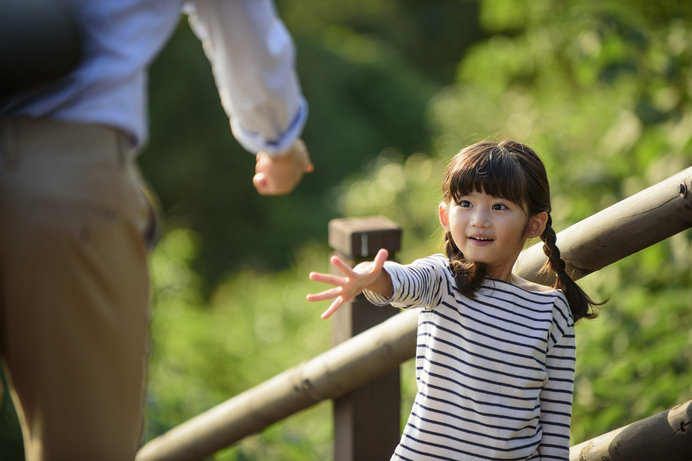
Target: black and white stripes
495	374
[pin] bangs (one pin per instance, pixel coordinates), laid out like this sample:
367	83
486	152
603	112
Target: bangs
494	171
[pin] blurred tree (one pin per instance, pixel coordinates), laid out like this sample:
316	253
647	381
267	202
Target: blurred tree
602	91
368	70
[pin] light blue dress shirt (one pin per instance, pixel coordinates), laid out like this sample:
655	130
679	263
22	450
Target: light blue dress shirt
251	53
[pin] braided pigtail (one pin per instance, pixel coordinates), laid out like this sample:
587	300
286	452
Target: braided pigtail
512	171
468	275
579	302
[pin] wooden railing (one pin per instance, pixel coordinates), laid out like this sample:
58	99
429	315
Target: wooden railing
371	357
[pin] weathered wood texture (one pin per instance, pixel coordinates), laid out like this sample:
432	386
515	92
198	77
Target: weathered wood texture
666	436
620	230
366	420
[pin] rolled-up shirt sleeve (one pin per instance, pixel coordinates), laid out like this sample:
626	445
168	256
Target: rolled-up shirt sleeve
253	62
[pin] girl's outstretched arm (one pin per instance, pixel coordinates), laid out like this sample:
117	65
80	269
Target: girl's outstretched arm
365	276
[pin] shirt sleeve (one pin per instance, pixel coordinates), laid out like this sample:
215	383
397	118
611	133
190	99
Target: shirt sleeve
253	62
419	284
556	395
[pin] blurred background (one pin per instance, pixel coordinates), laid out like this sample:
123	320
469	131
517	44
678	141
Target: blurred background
601	89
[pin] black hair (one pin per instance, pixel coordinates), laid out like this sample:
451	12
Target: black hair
512	171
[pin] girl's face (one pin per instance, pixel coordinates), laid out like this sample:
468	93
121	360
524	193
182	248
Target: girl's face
490	230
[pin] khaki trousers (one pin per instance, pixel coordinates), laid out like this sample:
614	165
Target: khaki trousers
74	288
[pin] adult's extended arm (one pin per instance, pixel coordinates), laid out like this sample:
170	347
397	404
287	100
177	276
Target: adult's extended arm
253	61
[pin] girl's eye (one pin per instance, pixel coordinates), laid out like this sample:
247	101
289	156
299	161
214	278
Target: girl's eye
464	204
499	206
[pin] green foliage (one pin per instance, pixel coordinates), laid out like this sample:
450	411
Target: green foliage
604	98
253	327
634	360
601	90
11	445
603	95
367	80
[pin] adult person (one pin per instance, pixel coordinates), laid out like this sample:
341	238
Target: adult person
74	285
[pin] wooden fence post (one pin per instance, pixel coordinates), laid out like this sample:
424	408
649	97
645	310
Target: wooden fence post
366	420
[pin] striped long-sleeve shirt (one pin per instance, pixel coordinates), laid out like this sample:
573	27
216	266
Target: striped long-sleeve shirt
495	373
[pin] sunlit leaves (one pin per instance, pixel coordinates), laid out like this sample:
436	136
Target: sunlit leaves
603	93
601	90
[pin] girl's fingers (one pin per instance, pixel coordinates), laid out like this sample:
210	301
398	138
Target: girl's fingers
326	294
333	307
345	285
380	259
342	266
327	278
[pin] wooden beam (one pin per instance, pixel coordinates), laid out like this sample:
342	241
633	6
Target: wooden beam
618	231
666	436
327	376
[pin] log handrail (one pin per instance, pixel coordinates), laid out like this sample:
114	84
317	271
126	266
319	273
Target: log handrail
620	230
639	221
666	435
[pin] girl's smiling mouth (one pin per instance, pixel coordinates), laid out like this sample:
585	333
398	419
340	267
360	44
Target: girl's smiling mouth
481	239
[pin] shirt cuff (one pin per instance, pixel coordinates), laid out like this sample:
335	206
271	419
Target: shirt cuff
255	142
379	300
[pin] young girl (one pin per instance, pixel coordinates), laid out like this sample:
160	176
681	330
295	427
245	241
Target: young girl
495	354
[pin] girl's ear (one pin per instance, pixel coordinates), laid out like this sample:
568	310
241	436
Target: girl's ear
537	225
443	211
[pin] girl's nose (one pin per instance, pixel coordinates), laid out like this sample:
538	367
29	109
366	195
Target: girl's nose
479	218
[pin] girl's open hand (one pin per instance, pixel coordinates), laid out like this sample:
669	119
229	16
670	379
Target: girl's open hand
351	284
